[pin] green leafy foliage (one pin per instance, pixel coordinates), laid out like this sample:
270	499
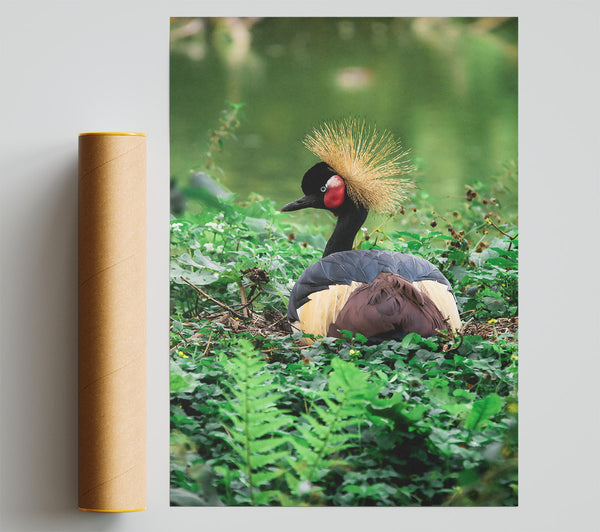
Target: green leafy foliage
258	420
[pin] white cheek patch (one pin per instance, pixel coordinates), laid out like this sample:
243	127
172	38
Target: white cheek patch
335	181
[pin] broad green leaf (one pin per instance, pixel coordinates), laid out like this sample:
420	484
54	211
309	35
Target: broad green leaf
456	408
200	261
198	278
416	413
463	393
411	341
482	410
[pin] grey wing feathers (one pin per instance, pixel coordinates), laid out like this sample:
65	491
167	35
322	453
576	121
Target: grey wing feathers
361	266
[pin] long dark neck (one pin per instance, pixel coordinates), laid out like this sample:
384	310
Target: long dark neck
350	220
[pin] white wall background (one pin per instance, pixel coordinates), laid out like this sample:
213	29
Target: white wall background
68	67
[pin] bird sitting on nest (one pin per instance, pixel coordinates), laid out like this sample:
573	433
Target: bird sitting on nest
379	294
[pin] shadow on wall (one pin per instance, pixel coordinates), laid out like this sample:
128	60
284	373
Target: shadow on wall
38	387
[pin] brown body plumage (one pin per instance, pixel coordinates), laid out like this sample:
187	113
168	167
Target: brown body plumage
385	305
335	308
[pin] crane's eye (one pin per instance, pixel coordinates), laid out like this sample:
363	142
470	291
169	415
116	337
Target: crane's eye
323	189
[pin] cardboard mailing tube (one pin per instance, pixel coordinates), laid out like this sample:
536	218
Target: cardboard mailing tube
112	322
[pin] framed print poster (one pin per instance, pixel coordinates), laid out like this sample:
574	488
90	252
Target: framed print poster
343	262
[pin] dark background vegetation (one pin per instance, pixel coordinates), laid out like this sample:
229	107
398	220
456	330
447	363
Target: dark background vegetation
446	87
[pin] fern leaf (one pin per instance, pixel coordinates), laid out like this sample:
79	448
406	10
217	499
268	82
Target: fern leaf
265	497
271	426
267	445
260	462
331	427
256	423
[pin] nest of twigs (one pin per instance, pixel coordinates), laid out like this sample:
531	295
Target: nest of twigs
271	323
489	330
242	318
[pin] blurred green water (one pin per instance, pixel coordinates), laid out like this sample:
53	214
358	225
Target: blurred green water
446	87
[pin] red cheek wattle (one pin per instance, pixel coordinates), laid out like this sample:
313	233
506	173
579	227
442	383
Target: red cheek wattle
336	191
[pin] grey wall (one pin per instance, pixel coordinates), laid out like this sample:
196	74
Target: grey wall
68	67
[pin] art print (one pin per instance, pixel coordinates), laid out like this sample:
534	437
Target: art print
344	262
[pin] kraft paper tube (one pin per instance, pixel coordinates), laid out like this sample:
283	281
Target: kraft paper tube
112	322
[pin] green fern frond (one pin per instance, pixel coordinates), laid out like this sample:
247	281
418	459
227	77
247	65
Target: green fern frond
327	431
256	423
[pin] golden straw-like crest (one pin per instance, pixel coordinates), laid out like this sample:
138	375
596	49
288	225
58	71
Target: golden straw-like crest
370	162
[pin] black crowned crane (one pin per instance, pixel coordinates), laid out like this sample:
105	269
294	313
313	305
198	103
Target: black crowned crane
379	294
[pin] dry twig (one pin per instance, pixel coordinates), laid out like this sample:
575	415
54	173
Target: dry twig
200	291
